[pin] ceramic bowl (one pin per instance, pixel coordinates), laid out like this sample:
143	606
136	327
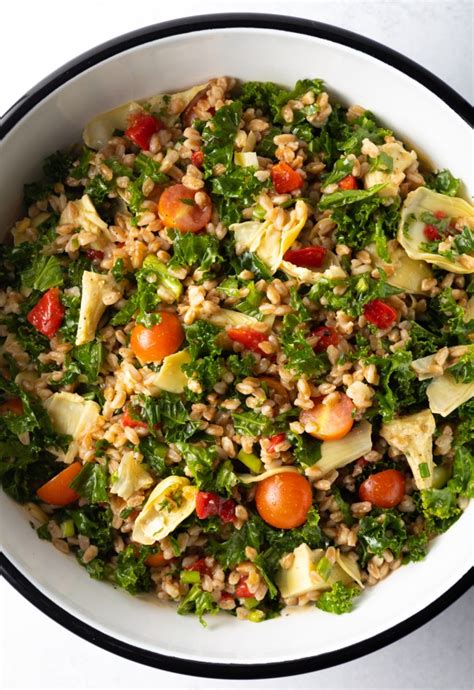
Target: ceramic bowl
171	56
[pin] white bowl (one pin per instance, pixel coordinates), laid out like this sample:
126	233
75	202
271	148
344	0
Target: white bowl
171	56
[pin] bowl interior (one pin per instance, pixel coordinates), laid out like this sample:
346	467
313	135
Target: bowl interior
171	64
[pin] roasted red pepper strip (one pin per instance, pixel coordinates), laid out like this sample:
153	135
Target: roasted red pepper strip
285	179
48	313
129	420
209	504
308	257
242	591
380	313
431	232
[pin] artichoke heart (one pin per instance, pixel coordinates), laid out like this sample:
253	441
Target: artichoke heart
403	272
267	241
169	107
391	179
170	502
94	285
448	250
413	436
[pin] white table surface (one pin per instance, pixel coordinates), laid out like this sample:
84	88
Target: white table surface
38	37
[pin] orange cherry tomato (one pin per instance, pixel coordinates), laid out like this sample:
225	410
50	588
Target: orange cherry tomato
330	418
57	491
155	560
15	406
383	489
283	500
177	209
155	343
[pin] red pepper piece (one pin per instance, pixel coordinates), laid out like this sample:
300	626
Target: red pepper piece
200	566
309	257
275	441
349	182
48	313
380	313
249	338
285	179
197	158
242	591
431	232
141	129
129	420
207	504
227	510
94	254
440	215
326	336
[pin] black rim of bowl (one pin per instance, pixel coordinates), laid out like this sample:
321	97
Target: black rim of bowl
12	117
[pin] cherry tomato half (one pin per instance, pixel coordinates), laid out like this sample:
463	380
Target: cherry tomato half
380	313
178	209
383	489
48	313
326	336
308	257
285	179
330	419
57	491
283	500
155	343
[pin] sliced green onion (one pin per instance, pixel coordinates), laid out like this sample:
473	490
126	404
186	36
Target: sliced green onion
256	616
251	461
190	577
259	212
250	603
424	470
324	568
67	528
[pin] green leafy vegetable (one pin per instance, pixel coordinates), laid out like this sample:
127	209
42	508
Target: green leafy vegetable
44	273
199	602
339	599
91	483
131	573
443	182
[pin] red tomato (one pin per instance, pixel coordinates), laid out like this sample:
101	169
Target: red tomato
309	257
384	489
348	182
197	158
200	566
48	313
242	591
431	232
326	336
15	406
141	129
57	491
283	500
128	420
330	419
275	441
177	209
155	343
440	215
94	254
285	179
226	596
380	313
249	338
